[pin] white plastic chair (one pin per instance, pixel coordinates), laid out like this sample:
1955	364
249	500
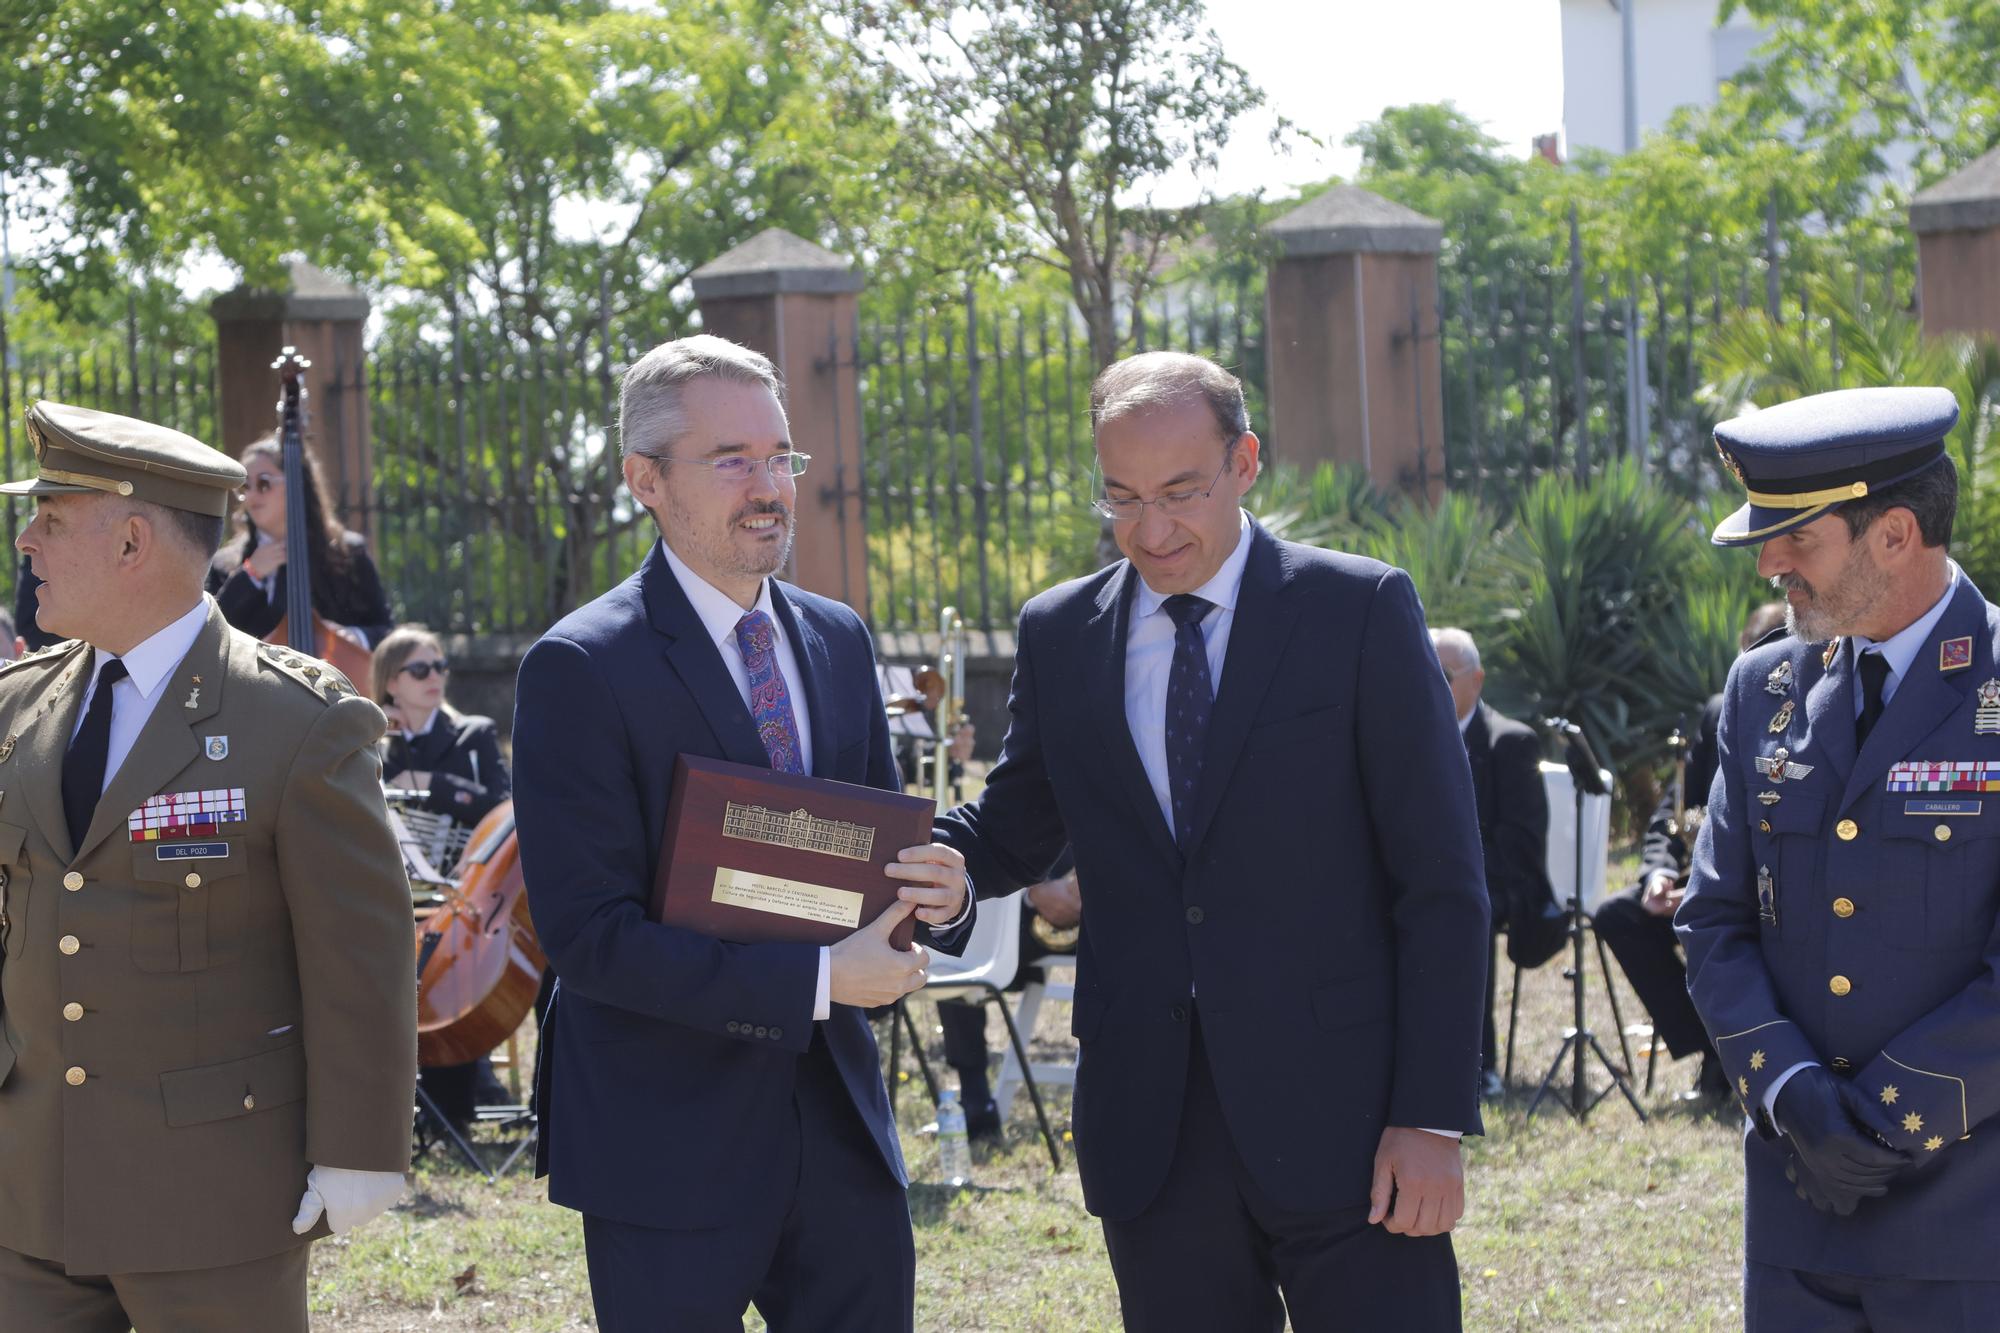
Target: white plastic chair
983	971
1043	1072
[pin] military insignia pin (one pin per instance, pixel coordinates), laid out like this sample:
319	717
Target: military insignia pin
1768	798
217	747
1986	718
1767	897
1832	651
1782	719
1778	767
1780	679
6	749
1735	468
1955	654
194	695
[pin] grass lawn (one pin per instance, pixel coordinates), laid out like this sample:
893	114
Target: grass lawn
1607	1225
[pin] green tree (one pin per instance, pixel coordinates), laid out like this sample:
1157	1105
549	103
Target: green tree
1057	116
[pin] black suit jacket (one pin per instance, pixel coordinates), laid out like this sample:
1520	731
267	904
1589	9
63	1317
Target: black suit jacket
1328	913
1666	848
354	599
461	752
1506	761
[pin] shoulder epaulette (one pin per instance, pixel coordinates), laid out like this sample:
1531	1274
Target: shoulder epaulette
322	678
44	654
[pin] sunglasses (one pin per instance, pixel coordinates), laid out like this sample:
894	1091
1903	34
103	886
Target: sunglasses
422	670
263	483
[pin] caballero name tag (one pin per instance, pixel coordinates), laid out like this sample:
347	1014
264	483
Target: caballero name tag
752	855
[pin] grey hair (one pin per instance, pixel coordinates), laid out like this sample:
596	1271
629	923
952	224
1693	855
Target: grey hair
1461	645
1160	379
650	418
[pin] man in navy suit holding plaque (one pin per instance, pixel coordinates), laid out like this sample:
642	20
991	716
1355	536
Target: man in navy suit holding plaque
1842	921
715	1110
1251	749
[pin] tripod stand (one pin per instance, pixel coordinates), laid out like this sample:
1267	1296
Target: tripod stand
1585	780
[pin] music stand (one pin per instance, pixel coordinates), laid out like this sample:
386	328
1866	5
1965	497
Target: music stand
1585	780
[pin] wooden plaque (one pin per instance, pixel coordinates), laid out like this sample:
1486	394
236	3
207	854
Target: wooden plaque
752	855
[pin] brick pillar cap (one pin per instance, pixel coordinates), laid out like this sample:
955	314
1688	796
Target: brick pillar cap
1966	201
771	263
1347	219
310	294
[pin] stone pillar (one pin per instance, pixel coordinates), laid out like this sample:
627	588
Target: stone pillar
324	318
1957	222
1351	329
798	304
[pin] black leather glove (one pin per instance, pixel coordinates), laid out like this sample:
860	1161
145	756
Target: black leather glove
1840	1161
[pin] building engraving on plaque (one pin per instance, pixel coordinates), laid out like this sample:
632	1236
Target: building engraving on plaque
799	829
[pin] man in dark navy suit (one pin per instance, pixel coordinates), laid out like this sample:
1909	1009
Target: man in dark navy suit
716	1111
1842	920
1250	747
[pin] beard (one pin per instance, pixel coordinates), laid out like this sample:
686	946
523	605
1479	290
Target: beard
717	545
1834	609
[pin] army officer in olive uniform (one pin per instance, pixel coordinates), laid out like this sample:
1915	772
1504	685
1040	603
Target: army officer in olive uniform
208	978
1842	923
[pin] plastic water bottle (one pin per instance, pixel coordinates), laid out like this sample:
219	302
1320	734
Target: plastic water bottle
954	1149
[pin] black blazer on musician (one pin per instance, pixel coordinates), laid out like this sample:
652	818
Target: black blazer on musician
461	752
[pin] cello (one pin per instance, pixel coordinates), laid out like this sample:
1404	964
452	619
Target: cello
303	629
479	964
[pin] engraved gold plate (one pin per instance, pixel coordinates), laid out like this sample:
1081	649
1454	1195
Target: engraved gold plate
799	830
787	897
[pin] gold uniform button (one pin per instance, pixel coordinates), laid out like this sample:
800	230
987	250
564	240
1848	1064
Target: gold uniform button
193	880
72	1011
249	1102
75	1076
1847	830
1763	826
1942	832
69	944
1839	985
1843	908
1841	1064
73	881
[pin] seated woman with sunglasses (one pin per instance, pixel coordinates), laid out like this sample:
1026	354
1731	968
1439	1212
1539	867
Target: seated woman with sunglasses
248	577
456	758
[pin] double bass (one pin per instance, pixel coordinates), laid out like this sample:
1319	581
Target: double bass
301	628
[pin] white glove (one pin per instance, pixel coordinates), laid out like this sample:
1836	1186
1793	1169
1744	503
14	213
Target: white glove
348	1198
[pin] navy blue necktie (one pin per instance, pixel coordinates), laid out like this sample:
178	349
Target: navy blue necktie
1190	696
1874	672
89	751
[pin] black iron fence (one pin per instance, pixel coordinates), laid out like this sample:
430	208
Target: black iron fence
977	463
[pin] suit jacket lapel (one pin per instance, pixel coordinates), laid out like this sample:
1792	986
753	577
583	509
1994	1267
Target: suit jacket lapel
166	744
1103	645
1829	708
816	666
1928	696
1257	634
40	746
698	663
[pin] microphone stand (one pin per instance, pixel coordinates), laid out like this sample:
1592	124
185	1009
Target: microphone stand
1586	779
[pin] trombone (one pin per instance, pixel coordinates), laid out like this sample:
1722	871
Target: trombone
950	712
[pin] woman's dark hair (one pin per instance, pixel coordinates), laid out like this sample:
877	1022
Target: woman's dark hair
329	550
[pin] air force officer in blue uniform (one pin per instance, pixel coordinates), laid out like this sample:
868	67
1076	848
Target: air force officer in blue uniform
1841	919
716	1111
1250	746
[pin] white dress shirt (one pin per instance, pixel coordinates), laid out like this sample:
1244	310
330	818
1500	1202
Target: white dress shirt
719	613
1149	657
1900	651
147	667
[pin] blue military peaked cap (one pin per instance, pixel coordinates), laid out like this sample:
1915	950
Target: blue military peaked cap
1804	458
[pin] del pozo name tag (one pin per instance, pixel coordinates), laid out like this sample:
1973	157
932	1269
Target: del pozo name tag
1940	807
192	851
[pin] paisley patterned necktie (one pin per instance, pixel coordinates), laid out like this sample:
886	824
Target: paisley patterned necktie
770	702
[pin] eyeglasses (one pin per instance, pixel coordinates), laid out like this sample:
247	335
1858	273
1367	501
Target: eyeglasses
738	468
422	670
262	483
1171	504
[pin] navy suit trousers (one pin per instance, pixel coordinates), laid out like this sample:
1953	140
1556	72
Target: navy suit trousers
833	1254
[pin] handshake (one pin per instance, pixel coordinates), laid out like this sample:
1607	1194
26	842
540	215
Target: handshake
1837	1160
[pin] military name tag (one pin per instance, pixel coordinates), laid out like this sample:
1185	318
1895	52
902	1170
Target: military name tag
191	851
1945	775
1942	807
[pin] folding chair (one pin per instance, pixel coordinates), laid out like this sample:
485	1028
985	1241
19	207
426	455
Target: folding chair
983	972
1044	1072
